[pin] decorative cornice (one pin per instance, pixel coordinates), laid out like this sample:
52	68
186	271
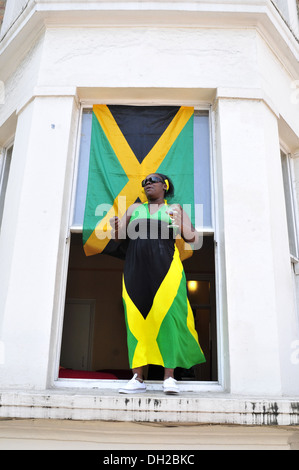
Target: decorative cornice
255	14
253	94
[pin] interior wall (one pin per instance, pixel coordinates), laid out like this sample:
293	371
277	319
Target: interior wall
99	277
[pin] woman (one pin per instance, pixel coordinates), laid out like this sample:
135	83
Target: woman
159	319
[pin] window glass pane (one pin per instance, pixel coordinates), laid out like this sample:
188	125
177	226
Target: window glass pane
83	165
202	176
4	179
283	7
289	205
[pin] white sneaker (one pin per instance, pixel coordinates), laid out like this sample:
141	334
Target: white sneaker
133	386
170	386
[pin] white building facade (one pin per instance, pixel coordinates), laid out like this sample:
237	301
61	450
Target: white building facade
236	62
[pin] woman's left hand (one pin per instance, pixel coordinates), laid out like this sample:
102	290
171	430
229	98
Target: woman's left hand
183	222
175	211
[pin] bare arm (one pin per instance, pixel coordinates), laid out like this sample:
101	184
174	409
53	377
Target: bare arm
188	232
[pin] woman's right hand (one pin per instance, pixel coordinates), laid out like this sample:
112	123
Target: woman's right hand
114	222
119	226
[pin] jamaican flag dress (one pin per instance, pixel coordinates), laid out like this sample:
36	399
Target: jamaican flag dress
159	319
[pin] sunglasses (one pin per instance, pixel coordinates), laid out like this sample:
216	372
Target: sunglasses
151	179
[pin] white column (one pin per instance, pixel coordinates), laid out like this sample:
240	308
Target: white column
35	211
260	297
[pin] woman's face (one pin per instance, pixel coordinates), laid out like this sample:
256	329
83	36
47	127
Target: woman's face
154	190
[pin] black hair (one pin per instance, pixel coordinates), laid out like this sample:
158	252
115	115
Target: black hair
170	192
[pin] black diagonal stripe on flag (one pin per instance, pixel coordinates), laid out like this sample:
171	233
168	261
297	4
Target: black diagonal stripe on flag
146	122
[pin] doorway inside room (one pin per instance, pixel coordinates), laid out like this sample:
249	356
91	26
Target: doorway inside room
94	344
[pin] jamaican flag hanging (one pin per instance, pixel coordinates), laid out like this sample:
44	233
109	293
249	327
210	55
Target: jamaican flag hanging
127	144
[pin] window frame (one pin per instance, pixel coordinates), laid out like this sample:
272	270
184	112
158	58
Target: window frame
288	10
291	201
4	176
222	381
